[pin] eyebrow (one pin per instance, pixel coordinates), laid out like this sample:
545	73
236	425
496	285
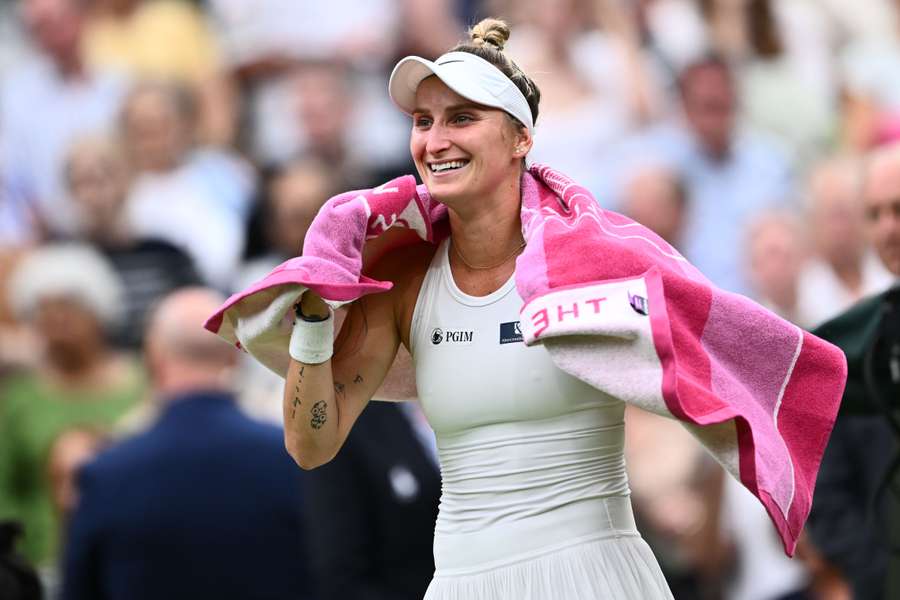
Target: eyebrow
454	107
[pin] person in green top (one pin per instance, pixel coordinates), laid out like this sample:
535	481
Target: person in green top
71	297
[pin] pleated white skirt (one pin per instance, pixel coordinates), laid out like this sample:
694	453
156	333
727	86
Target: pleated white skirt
611	568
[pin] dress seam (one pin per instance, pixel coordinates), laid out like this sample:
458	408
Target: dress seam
535	554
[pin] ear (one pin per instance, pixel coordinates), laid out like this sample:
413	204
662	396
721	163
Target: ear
152	356
522	142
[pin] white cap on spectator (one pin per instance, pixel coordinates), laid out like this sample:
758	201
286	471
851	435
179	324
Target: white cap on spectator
468	75
74	271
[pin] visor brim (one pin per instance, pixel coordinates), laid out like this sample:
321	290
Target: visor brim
412	70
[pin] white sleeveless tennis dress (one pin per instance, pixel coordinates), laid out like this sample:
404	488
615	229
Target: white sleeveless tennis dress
535	501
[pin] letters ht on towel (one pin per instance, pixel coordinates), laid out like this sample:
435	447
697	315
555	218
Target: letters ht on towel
543	318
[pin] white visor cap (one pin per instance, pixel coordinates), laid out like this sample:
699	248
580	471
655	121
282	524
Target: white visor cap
468	75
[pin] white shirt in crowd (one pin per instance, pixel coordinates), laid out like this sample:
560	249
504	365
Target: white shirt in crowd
822	296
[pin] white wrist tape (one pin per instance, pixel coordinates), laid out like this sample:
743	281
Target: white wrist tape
312	342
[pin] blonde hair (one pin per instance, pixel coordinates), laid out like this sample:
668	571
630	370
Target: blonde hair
490	31
487	39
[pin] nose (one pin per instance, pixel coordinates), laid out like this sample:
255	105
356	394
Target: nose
437	140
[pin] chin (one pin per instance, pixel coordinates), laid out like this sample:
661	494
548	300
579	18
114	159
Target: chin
448	198
447	193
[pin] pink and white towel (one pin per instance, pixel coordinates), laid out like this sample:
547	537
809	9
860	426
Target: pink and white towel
617	307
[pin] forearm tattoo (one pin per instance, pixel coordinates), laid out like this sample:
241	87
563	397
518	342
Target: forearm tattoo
319	410
319	414
296	401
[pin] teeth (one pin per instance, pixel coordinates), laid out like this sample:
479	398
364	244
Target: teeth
446	166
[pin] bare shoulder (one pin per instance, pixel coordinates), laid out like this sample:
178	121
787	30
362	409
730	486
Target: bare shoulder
405	267
403	264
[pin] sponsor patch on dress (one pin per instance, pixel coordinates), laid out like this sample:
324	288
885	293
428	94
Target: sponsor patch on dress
452	336
510	332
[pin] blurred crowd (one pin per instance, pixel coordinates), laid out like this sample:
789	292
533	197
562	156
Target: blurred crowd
149	146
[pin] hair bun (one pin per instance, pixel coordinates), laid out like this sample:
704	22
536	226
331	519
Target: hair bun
493	32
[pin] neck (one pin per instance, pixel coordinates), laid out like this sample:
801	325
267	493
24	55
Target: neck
488	230
182	380
78	369
849	272
69	65
786	301
110	233
717	153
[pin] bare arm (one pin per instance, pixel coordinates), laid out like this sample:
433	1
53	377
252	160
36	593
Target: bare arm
321	402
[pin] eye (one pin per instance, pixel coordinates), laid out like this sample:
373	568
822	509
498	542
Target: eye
462	119
422	122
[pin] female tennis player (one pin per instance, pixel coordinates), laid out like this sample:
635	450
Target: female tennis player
535	501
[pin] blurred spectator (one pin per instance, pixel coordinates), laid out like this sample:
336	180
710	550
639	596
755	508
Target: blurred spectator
176	188
44	104
72	297
270	31
206	503
712	537
165	40
71	450
98	178
294	197
324	97
158	39
870	74
677	496
266	40
781	55
18	346
731	174
860	20
843	267
881	189
372	509
18	580
762	570
14	47
431	26
672	30
856	506
655	197
333	122
777	254
595	85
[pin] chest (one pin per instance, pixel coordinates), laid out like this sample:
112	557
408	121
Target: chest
473	369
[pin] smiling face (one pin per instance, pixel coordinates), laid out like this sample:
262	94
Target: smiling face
463	150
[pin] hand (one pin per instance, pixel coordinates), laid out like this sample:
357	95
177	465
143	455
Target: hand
312	305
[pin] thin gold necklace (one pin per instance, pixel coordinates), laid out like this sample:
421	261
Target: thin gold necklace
494	266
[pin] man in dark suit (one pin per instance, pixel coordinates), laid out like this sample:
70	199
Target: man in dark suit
372	509
855	519
204	504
